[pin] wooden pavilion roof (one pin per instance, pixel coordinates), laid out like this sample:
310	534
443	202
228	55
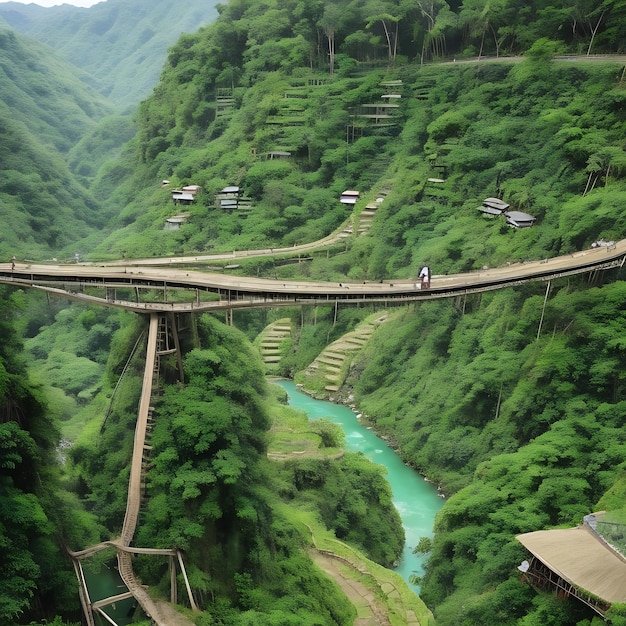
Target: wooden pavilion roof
582	558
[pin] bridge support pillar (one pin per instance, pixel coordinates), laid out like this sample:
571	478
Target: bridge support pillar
543	309
179	358
83	593
173	587
192	602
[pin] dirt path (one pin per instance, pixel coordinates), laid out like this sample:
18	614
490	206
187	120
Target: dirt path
371	611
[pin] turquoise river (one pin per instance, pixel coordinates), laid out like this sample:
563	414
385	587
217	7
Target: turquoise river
417	501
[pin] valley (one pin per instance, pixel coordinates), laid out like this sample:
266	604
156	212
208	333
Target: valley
365	142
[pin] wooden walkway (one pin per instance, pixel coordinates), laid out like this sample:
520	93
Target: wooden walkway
212	292
161	613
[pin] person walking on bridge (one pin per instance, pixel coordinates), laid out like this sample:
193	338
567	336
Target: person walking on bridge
424	277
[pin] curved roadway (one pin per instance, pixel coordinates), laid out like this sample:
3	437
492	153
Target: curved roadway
231	292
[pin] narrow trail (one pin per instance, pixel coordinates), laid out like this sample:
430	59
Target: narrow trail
370	611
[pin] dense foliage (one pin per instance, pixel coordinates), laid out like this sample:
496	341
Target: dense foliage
60	153
36	579
45	109
531	131
354	500
119	47
527	431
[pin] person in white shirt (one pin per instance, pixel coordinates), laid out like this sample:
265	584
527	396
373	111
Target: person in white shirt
424	277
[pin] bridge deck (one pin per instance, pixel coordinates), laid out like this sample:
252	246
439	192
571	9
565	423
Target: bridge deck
71	281
230	292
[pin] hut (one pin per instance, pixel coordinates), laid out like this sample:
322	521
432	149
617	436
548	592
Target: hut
228	198
231	199
182	197
496	203
176	221
349	197
277	154
576	562
488	210
517	219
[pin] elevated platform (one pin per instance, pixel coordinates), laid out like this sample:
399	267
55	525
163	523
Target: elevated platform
576	562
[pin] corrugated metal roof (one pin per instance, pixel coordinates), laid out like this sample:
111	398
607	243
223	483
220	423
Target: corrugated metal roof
496	203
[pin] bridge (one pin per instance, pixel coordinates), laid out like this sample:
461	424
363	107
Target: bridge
161	330
161	287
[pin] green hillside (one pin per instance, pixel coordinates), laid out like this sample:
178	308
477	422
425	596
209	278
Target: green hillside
121	46
465	390
45	110
513	402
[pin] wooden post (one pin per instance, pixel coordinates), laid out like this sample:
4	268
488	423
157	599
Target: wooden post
543	309
499	400
173	586
106	617
179	358
83	592
194	607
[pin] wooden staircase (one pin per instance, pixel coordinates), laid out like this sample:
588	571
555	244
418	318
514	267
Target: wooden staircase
162	340
224	101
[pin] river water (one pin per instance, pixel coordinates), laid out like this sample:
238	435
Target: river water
417	501
104	584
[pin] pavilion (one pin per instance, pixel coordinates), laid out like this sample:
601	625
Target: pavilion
576	562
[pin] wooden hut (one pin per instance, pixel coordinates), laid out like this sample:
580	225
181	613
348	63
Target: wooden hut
349	197
518	219
576	562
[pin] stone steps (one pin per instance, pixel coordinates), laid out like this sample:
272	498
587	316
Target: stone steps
333	363
270	340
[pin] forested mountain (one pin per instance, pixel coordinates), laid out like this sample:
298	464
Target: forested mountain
120	46
45	110
61	150
513	402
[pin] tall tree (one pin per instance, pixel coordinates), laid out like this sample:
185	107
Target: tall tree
479	17
388	15
330	22
437	18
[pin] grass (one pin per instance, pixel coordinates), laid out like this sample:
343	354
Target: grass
291	435
387	586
